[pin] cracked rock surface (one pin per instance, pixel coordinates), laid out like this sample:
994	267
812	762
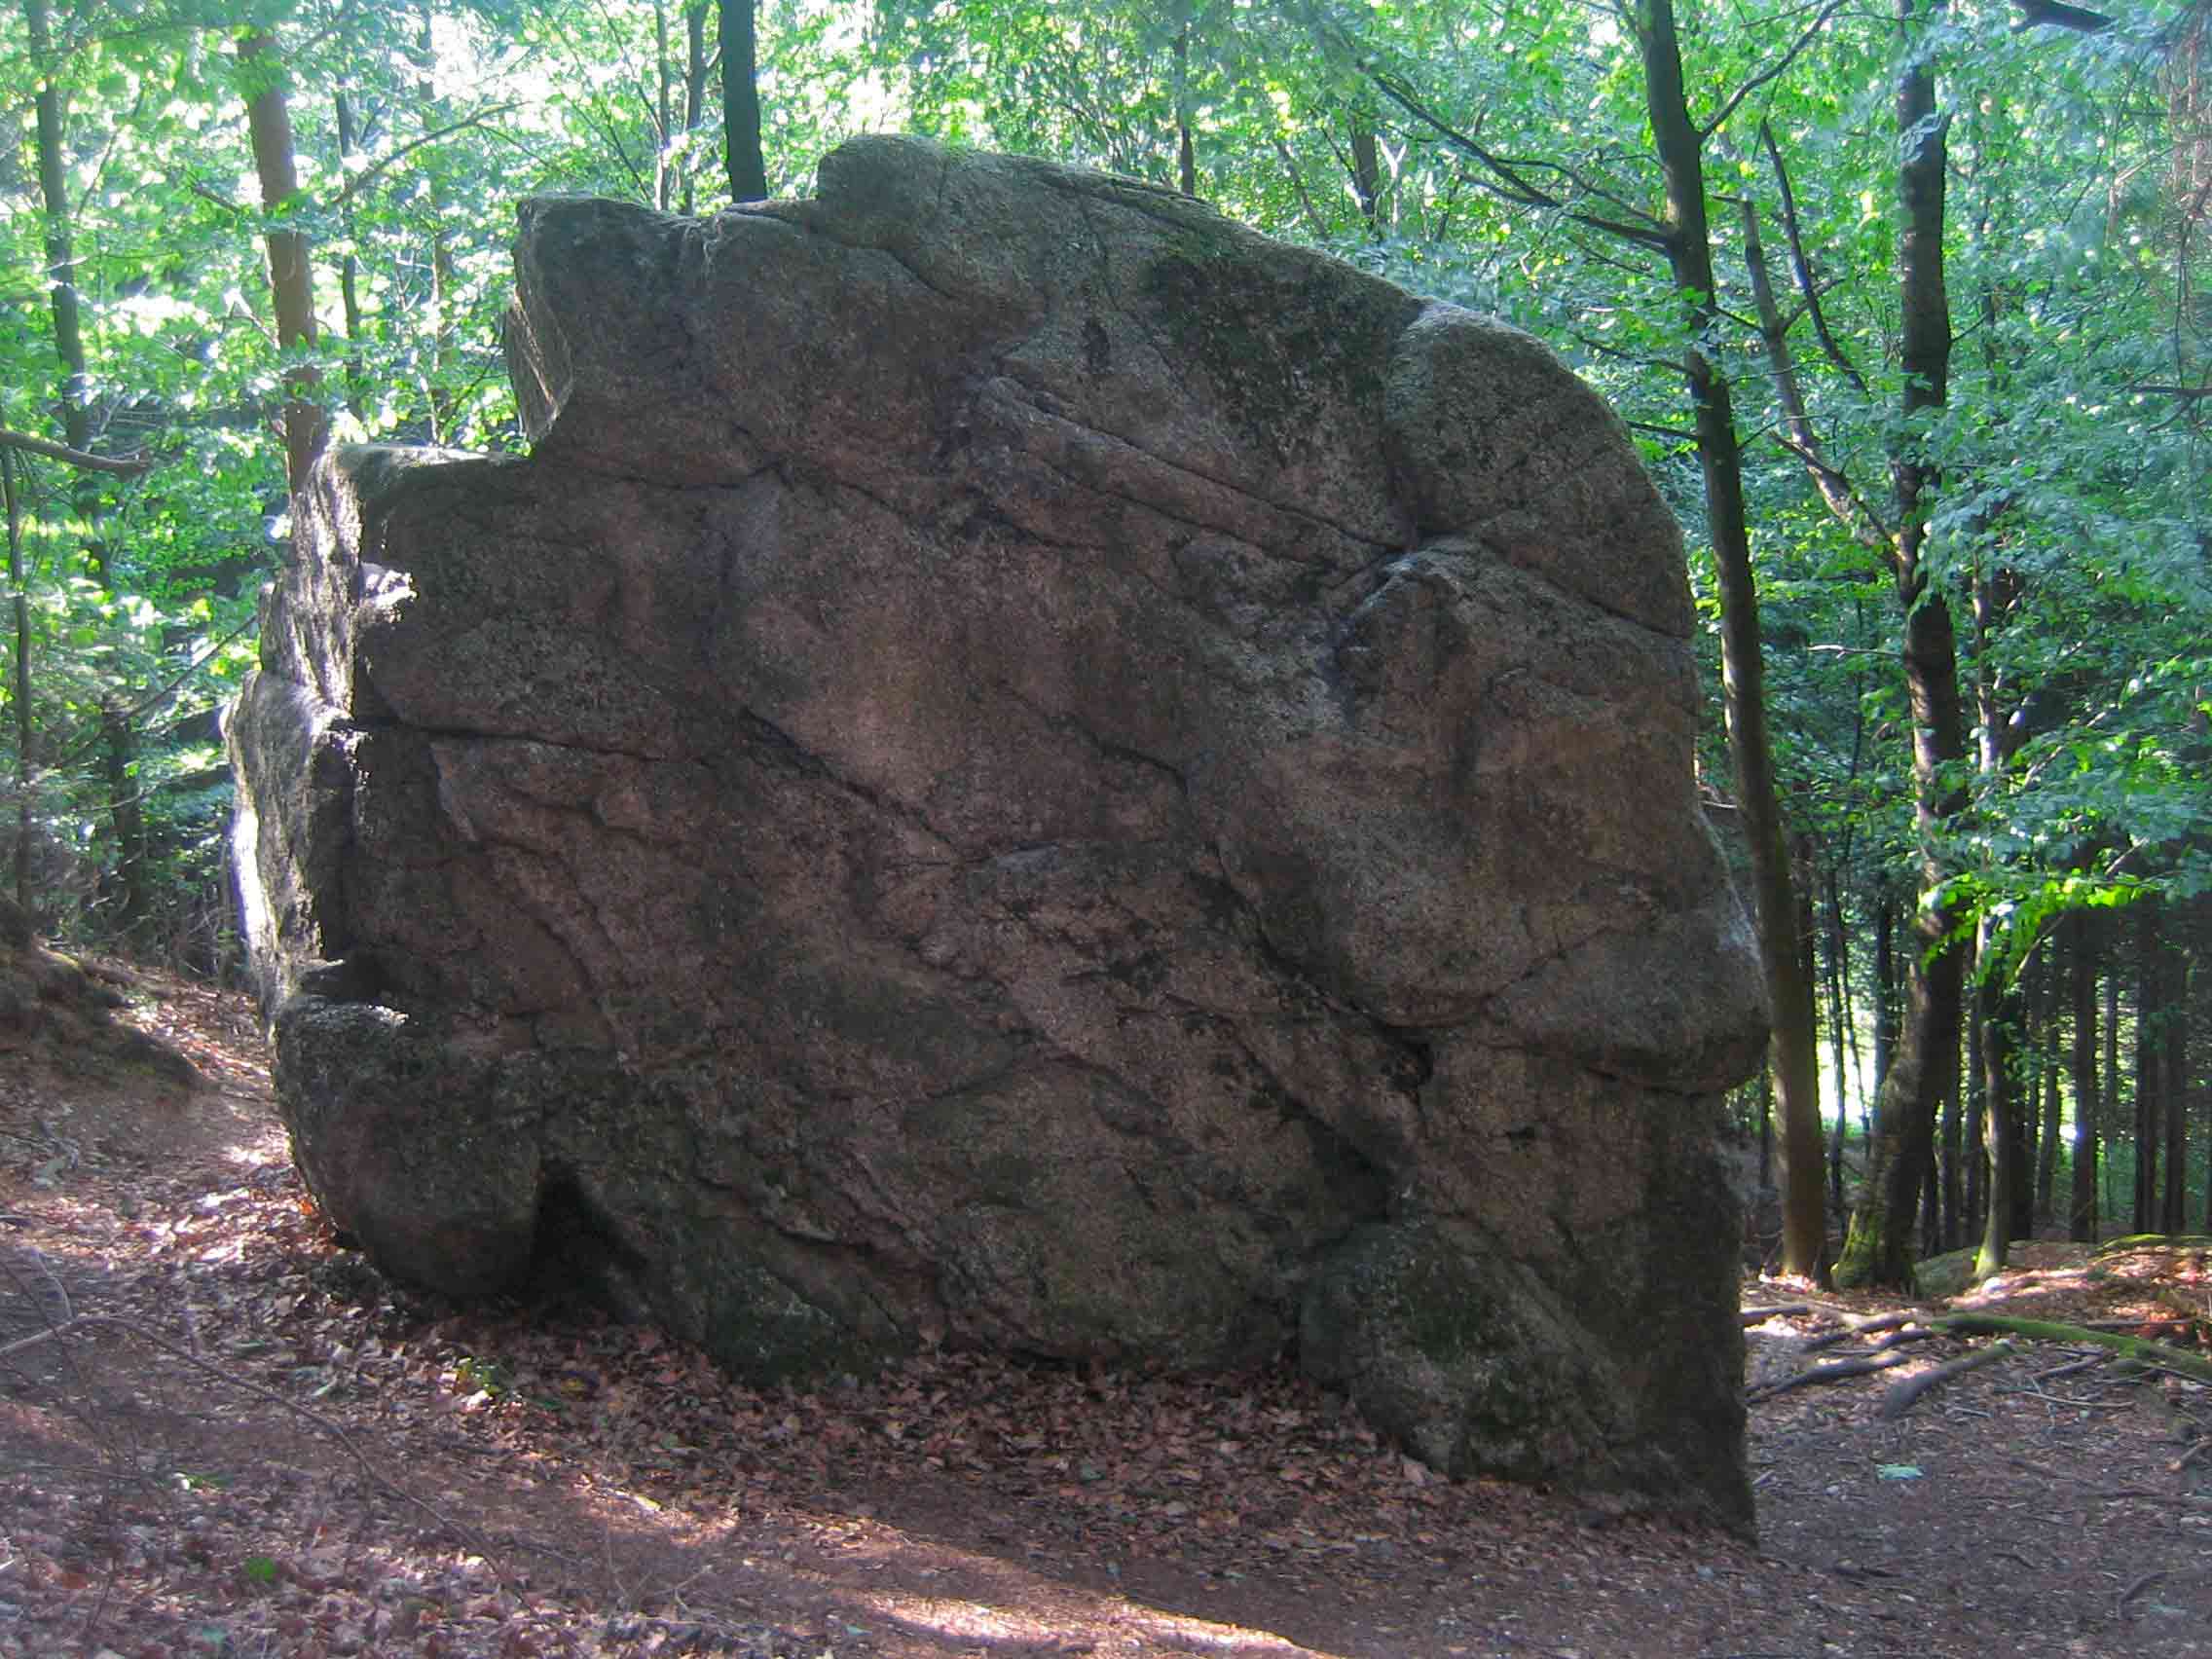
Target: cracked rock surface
1022	766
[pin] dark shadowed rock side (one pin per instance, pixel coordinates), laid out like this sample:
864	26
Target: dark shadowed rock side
1023	766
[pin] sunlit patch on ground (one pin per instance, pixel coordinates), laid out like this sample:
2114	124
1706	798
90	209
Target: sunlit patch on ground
513	1483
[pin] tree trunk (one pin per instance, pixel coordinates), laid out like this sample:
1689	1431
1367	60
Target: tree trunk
1836	947
290	282
350	271
2150	1084
2081	986
1925	1069
2046	1051
2008	1152
2173	1071
27	772
439	396
1964	1143
1766	1130
61	253
695	67
1887	996
1931	1211
1367	174
74	408
2000	1005
741	102
1186	148
1795	1057
124	885
664	75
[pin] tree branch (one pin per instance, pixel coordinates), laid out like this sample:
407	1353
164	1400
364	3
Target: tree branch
1298	188
127	465
2038	12
1802	268
361	180
1868	531
1507	179
1780	64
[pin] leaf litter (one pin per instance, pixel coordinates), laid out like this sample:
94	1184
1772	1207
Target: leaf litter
521	1480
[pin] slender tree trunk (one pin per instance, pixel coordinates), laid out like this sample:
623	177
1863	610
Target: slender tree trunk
291	281
1186	148
74	407
1794	1058
1925	1068
349	269
2081	986
1964	1142
2008	1155
61	252
664	75
2047	1048
1366	174
439	397
1999	1004
1766	1130
695	67
2149	1084
2109	1204
1932	1210
124	885
26	767
1888	997
1858	1086
741	102
1836	947
2031	1061
2173	1072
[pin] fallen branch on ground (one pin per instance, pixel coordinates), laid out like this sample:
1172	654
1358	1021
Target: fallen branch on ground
1836	1370
1857	1328
2137	1348
1905	1328
1905	1394
2072	1368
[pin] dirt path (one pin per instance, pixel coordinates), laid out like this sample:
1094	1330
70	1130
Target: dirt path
269	1450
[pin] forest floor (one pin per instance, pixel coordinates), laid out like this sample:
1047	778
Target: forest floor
247	1443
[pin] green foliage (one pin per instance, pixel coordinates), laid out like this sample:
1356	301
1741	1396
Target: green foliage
1489	154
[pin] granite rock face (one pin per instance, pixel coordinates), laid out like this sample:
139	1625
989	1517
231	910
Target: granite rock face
1021	766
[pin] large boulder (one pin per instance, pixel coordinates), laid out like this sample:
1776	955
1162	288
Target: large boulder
1023	765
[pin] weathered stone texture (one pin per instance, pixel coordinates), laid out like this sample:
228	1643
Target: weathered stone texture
1023	765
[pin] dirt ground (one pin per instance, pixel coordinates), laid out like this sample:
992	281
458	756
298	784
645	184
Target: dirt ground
221	1434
